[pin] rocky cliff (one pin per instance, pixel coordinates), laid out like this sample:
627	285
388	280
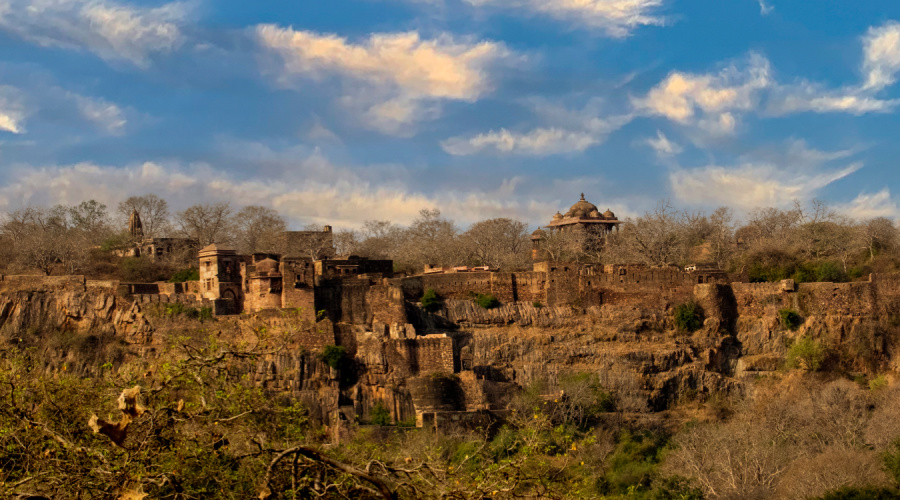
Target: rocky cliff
464	357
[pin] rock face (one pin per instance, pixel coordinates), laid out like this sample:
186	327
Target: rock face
464	357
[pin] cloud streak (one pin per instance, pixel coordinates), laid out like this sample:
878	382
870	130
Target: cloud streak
614	18
113	31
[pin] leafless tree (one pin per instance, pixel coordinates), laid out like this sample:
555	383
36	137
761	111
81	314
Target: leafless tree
878	234
379	239
656	238
258	229
206	223
154	212
498	243
430	239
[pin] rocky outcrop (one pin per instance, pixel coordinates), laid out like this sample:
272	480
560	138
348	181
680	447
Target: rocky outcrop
465	357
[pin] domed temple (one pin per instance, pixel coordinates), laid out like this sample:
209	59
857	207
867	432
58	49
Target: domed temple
585	214
584	217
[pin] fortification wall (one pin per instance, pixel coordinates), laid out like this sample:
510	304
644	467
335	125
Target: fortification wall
386	304
25	283
425	355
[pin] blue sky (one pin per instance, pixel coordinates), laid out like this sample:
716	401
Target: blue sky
346	110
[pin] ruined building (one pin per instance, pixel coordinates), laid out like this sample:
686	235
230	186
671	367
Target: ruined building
157	248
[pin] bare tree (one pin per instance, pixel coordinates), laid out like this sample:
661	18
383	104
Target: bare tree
498	243
207	223
154	212
878	234
656	238
379	239
258	229
430	239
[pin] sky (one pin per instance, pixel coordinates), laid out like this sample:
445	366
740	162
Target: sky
341	111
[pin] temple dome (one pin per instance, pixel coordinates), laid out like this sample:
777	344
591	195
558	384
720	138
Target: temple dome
609	215
582	209
557	216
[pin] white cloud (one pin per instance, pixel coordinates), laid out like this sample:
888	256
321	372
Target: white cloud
565	131
111	30
402	77
311	190
770	177
709	100
104	114
764	8
615	18
537	142
807	97
881	48
871	205
749	186
12	111
662	145
715	102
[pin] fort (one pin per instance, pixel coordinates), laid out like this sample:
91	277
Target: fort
449	364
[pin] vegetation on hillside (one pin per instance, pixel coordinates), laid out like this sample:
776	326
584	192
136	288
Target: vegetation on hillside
805	243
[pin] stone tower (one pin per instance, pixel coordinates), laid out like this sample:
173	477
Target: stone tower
135	226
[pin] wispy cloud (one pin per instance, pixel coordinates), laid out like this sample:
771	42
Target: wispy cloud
872	205
403	77
662	145
798	174
536	142
106	115
564	131
764	8
113	31
614	18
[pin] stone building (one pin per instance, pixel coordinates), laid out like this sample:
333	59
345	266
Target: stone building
251	283
182	249
584	217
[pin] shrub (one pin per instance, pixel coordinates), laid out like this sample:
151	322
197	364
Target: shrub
890	459
807	354
487	301
864	493
790	320
688	317
191	274
537	304
142	270
204	314
430	300
333	355
380	414
877	383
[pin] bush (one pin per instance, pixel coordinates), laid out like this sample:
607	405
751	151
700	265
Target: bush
790	320
807	354
487	301
537	304
864	493
430	301
380	414
688	317
185	275
633	465
333	355
142	270
890	459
